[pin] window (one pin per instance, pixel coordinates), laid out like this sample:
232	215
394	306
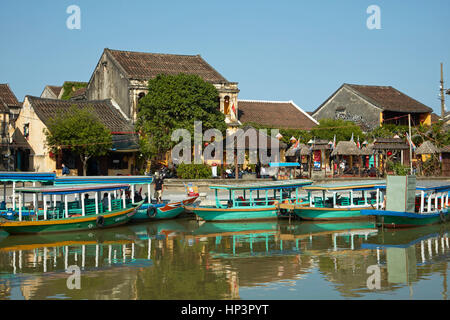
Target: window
226	105
26	130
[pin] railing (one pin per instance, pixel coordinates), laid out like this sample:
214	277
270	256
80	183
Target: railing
58	212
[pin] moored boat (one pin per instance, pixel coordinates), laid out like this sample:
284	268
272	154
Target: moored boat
250	201
9	206
150	210
337	206
50	215
409	205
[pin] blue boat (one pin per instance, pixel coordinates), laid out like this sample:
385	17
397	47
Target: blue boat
408	205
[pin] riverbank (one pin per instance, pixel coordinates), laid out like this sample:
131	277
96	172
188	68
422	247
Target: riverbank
203	184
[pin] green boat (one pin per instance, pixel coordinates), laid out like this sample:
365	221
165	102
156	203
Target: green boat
339	206
50	215
409	205
150	210
253	201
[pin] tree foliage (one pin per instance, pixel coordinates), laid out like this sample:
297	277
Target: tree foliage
70	87
303	135
193	171
343	130
80	131
175	102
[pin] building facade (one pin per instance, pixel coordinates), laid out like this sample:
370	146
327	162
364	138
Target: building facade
123	76
32	154
372	106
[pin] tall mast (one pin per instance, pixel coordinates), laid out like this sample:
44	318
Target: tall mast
442	93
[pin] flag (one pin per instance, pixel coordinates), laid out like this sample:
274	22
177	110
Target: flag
234	110
357	144
352	140
411	143
334	142
296	143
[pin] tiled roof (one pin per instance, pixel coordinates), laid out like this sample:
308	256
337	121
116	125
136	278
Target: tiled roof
3	106
145	66
445	149
277	114
55	89
78	93
8	96
435	118
389	98
390	144
105	111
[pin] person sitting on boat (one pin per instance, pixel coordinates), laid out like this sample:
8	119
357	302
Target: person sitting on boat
65	170
137	196
105	202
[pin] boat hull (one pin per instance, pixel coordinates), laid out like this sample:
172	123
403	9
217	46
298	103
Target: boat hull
169	211
234	214
394	219
70	224
329	214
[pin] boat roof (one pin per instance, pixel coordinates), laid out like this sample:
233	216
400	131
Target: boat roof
428	186
284	164
27	176
265	185
347	186
75	180
72	189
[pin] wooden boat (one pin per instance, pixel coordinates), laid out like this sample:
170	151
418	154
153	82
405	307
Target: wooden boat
338	207
150	210
409	205
65	215
253	201
9	205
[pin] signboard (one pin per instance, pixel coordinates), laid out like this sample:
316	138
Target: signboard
401	193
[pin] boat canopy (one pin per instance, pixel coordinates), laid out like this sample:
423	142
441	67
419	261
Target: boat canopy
284	164
61	190
427	187
27	176
269	185
436	187
131	180
347	186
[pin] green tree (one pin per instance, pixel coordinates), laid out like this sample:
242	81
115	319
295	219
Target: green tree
436	133
343	130
175	102
80	131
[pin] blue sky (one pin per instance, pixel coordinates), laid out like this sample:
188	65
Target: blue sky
276	50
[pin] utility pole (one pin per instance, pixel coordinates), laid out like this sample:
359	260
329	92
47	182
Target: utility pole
410	146
442	93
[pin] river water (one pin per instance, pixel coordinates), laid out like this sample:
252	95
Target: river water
183	259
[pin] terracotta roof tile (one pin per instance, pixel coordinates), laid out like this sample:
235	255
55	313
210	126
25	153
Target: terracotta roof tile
106	112
435	118
145	66
390	99
8	96
275	114
55	89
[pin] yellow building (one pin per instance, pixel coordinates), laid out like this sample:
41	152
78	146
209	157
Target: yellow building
33	155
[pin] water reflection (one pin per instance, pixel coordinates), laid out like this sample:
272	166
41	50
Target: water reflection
185	259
